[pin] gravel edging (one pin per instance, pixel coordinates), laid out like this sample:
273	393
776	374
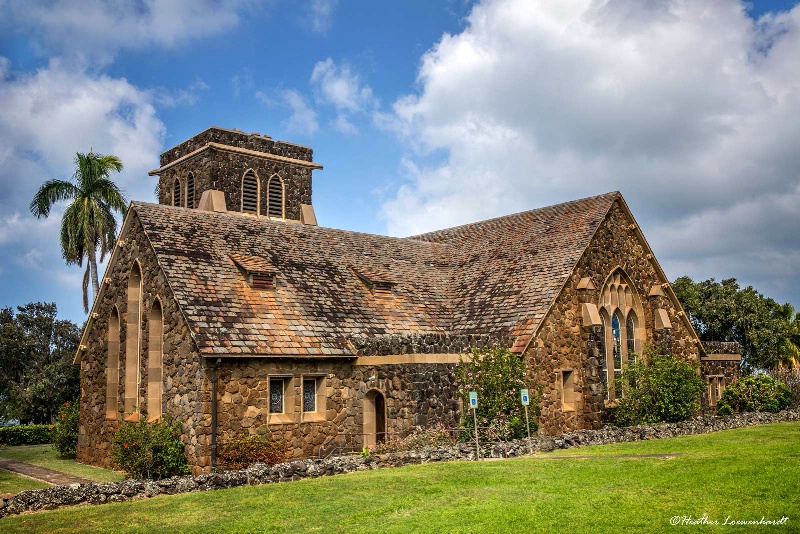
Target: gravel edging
98	493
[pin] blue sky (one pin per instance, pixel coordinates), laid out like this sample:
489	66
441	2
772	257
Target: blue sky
425	115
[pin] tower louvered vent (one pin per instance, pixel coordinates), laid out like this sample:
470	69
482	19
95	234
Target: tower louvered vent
190	191
176	192
275	197
250	193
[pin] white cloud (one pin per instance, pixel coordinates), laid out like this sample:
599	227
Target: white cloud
303	119
340	87
686	107
188	96
94	30
322	15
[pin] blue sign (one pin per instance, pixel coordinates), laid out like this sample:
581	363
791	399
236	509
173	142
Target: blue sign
524	394
473	399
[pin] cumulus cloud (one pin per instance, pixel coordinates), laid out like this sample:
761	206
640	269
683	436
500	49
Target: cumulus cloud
47	116
94	30
321	15
303	119
338	86
686	107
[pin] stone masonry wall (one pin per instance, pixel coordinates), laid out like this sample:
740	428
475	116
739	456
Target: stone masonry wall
563	343
181	376
415	394
223	171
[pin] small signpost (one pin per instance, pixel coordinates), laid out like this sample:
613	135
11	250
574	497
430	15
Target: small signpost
523	393
473	403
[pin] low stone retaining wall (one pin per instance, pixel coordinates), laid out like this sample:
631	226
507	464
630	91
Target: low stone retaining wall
74	494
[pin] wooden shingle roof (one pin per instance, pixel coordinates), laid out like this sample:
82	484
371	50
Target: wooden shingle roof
496	277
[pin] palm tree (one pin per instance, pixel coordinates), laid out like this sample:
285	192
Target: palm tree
88	221
790	349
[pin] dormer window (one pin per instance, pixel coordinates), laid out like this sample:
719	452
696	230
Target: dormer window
262	281
377	281
259	273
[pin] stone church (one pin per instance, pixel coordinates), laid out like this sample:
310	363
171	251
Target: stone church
227	307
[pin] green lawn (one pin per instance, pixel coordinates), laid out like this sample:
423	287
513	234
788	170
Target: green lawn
46	456
11	483
745	474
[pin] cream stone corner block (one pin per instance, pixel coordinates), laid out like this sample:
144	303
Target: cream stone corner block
590	315
656	291
662	319
586	283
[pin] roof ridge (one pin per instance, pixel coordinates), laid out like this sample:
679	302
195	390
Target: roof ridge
455	230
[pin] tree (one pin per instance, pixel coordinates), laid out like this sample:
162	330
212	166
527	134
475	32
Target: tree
36	371
88	222
722	311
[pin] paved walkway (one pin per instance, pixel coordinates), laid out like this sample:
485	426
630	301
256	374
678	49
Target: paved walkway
42	474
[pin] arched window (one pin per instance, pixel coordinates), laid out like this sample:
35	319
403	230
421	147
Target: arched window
630	327
275	197
176	192
190	191
154	362
133	322
616	341
620	307
112	367
250	190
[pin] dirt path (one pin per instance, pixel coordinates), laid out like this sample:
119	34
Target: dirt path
42	474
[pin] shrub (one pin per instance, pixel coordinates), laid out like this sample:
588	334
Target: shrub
497	375
65	432
436	435
149	449
26	434
791	379
243	451
659	388
754	393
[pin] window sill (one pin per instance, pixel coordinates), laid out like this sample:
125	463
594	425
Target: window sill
313	417
567	409
134	417
280	419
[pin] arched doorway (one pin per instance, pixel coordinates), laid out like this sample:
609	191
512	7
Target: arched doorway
374	418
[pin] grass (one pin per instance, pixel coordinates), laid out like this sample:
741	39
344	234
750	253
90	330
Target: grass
745	474
11	483
46	456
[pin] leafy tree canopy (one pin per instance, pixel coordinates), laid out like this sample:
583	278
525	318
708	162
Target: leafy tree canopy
36	371
768	333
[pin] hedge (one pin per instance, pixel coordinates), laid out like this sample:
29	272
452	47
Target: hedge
26	434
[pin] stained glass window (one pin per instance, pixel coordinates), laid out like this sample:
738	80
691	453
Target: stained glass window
276	395
631	335
309	395
617	346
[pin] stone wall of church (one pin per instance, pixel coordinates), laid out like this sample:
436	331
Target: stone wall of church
415	394
181	375
564	343
223	171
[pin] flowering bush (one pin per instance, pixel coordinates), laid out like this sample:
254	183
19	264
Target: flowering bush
149	449
65	431
436	435
497	375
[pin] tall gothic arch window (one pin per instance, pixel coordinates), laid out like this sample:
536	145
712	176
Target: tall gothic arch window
250	193
155	343
112	366
176	192
620	307
190	191
132	335
275	197
630	327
